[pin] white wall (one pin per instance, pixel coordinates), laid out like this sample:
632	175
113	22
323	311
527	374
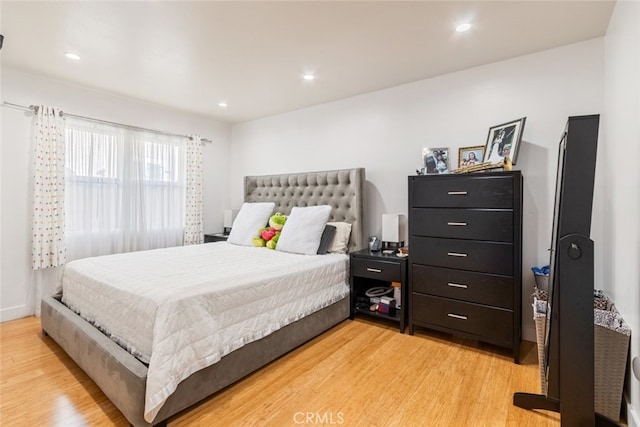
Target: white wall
620	211
385	132
15	165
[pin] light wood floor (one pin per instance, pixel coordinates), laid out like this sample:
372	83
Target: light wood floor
357	374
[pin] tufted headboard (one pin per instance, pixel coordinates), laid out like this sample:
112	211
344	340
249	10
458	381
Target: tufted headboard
343	190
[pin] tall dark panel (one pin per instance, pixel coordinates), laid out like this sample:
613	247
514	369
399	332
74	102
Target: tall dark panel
569	333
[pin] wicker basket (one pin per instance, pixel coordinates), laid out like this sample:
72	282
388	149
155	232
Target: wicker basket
611	345
539	318
542	282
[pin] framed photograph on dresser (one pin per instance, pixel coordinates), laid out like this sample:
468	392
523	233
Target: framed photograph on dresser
435	160
504	141
469	156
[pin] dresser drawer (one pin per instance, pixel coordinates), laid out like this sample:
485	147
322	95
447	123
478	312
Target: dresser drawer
462	191
482	321
472	224
472	255
467	286
374	269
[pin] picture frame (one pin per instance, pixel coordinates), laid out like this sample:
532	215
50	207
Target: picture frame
435	160
504	141
469	156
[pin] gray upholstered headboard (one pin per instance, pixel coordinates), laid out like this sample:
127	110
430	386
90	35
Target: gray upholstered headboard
343	190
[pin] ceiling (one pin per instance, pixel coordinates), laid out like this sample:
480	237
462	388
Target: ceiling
192	55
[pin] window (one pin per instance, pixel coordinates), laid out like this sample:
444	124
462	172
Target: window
124	189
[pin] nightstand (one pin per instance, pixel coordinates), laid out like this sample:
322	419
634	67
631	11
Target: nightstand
215	237
377	269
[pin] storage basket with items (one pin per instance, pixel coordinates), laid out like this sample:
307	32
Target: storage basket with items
611	345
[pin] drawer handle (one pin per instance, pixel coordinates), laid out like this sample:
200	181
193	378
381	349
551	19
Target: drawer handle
456	254
374	270
457	193
457	224
457	285
457	316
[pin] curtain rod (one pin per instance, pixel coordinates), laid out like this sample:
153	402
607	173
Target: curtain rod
34	109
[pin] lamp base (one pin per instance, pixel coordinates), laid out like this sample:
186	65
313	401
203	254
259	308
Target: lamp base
392	245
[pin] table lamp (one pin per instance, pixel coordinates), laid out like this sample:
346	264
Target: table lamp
229	217
393	230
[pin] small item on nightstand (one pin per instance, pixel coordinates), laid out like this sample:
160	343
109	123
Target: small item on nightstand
386	305
397	293
378	292
374	244
403	252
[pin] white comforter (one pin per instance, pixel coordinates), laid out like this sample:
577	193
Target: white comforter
182	309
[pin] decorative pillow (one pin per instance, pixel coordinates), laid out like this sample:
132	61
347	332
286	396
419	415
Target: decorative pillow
340	244
327	239
252	216
302	232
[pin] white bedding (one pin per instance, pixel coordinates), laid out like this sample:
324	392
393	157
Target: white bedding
182	309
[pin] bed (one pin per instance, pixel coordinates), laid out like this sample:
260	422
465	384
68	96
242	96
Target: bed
123	377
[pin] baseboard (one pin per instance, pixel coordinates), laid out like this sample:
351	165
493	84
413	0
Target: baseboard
12	313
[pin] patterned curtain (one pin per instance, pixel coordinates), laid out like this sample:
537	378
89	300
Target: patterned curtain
48	247
194	229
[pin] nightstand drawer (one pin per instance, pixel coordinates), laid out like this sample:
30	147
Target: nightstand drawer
475	319
462	192
473	224
471	255
374	269
467	286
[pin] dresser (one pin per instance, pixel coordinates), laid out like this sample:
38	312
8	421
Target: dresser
465	256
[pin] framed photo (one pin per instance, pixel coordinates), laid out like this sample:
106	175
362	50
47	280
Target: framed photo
504	141
435	160
469	156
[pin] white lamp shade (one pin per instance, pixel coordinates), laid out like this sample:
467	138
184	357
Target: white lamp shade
393	228
229	217
390	228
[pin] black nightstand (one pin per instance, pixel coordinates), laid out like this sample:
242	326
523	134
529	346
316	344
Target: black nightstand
376	269
216	237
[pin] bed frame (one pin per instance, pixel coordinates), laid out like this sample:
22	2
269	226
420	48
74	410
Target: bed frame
122	377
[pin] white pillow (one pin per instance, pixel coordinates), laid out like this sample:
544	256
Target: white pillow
302	232
340	243
251	218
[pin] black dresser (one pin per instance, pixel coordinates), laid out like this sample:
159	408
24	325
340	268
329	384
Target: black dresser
465	256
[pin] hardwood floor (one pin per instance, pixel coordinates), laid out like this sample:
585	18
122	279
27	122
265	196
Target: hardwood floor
357	374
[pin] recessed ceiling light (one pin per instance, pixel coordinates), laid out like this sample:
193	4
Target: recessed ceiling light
309	76
463	27
222	104
73	56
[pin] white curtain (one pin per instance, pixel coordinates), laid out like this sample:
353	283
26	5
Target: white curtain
194	229
48	217
48	249
125	189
